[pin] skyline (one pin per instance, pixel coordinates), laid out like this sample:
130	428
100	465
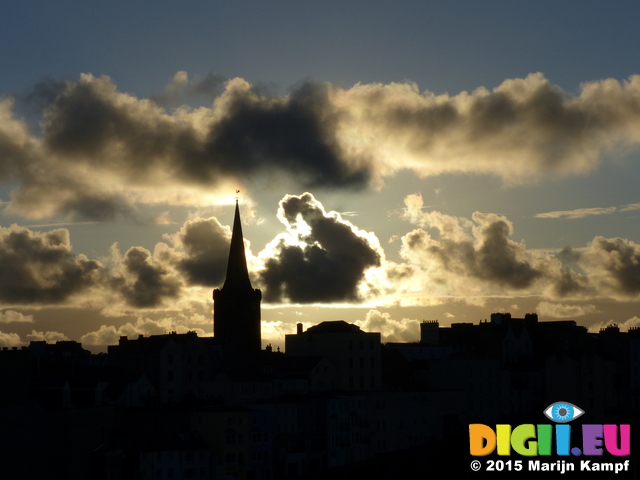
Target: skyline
368	193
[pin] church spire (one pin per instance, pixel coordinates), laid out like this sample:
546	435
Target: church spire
236	306
237	272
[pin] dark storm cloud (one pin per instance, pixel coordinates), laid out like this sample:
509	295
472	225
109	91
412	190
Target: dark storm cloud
206	245
46	187
105	147
97	206
330	264
249	135
568	283
498	259
296	135
40	268
144	281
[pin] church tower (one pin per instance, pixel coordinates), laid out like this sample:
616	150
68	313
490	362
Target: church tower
236	306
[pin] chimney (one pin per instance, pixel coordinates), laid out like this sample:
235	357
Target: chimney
430	332
299	328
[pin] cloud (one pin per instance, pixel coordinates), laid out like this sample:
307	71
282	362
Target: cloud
273	332
41	95
477	256
145	280
613	266
102	150
49	337
40	268
110	335
453	228
244	135
181	88
625	326
322	258
586	212
578	213
522	129
11	316
206	243
630	207
405	330
10	340
561	310
479	249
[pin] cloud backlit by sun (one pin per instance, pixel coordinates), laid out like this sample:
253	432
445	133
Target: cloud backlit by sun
102	151
103	155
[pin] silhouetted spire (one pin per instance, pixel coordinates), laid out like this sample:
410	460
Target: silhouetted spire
237	272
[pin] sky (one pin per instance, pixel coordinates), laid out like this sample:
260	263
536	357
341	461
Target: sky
397	162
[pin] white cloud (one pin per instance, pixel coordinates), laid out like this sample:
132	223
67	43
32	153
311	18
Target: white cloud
630	207
49	337
10	340
578	213
562	310
11	316
624	326
405	330
110	335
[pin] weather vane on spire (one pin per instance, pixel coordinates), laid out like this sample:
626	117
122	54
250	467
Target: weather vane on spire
237	195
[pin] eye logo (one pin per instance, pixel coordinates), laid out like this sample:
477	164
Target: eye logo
563	412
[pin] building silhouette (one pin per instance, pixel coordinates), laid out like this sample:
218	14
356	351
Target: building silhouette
337	403
236	306
354	353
